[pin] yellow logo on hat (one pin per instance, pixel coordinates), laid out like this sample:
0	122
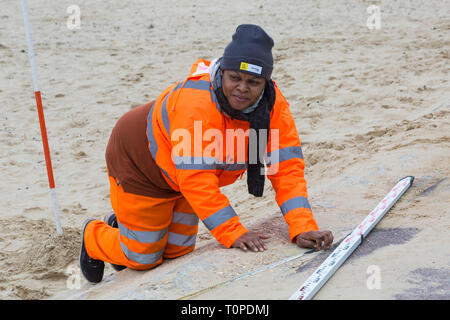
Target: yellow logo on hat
250	67
244	66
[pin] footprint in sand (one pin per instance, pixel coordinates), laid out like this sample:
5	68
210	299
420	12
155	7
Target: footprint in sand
80	155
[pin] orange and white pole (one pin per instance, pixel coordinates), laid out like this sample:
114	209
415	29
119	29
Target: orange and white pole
37	94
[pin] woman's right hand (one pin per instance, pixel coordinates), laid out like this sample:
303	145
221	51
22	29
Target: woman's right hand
252	241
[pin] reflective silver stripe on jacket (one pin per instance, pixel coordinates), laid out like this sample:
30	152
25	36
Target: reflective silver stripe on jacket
205	86
294	203
206	163
221	216
164	112
152	141
284	154
150	134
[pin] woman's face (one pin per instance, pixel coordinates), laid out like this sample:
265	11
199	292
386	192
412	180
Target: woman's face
241	89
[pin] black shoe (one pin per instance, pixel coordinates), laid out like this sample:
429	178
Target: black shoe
92	269
111	220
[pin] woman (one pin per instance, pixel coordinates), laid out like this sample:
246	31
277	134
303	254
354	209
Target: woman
168	159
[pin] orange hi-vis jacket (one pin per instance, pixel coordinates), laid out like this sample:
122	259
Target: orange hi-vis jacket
189	138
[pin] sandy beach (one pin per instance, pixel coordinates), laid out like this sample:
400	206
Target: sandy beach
370	106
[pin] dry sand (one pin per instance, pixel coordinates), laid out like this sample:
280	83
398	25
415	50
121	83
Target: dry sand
371	106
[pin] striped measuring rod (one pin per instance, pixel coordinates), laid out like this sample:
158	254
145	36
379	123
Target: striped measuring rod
313	284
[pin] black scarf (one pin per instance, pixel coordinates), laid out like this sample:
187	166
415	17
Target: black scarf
259	119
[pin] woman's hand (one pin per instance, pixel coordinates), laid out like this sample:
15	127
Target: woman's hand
315	239
252	241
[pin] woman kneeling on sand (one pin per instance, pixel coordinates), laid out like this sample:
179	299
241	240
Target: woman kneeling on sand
167	160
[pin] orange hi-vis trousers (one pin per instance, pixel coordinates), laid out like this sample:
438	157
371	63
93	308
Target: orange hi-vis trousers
150	229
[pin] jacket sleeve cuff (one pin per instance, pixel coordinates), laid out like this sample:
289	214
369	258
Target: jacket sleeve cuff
230	237
295	231
236	235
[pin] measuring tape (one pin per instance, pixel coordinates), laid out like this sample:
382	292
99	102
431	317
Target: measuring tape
313	284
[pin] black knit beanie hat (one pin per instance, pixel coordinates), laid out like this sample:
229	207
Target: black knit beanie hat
250	51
